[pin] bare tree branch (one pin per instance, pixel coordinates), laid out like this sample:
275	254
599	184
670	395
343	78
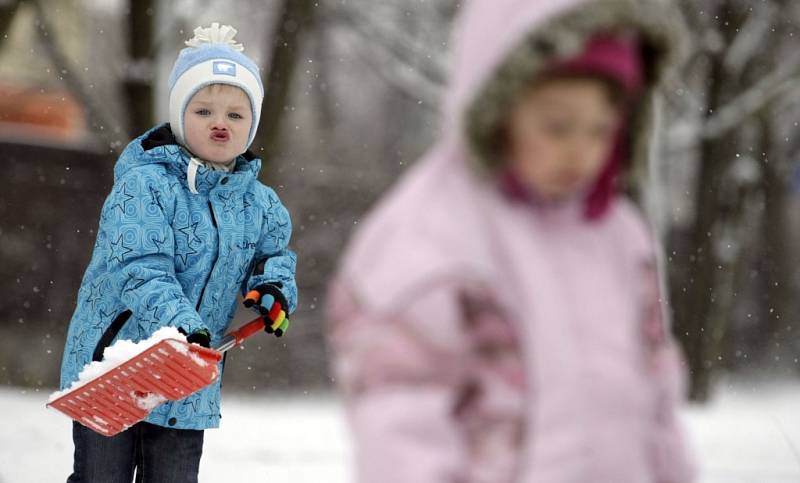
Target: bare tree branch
750	39
784	80
402	77
400	46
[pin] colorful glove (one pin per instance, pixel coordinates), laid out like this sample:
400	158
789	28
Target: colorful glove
269	301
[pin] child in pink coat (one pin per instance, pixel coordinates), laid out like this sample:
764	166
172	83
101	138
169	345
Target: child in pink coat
497	318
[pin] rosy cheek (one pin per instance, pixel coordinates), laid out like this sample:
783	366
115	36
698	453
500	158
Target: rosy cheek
526	161
526	167
536	152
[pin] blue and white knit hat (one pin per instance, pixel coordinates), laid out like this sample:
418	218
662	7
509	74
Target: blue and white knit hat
212	57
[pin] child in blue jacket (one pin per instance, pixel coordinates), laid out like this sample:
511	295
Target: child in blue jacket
186	225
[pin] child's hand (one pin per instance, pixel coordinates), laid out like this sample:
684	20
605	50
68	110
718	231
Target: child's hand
201	337
269	301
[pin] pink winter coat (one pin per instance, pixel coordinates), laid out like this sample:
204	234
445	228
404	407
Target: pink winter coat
480	340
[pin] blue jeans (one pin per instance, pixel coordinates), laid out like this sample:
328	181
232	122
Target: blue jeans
157	454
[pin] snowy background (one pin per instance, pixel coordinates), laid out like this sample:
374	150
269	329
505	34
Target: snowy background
79	78
749	434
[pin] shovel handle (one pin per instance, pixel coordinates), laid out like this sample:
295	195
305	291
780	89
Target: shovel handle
232	339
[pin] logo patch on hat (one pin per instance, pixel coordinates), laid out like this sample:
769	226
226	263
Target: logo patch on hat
224	67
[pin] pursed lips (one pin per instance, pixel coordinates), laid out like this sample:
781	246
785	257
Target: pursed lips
220	136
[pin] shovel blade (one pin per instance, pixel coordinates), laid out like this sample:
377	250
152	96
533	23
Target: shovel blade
114	401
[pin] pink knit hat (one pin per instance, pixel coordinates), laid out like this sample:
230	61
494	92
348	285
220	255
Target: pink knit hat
615	56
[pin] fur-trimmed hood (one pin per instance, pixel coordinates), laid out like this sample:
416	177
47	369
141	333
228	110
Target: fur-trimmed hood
488	76
449	183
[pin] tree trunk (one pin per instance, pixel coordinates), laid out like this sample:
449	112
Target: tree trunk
724	207
776	257
295	18
138	81
705	306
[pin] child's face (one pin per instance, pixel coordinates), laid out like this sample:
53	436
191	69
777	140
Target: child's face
217	123
560	135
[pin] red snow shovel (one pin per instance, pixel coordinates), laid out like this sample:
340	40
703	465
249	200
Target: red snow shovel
169	370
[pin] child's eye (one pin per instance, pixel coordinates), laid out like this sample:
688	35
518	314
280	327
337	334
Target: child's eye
202	112
235	115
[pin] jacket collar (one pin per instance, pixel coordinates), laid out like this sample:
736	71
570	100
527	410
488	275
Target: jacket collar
160	146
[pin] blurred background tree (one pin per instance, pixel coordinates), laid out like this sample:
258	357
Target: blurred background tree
730	154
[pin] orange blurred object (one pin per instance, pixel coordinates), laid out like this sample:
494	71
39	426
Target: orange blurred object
33	111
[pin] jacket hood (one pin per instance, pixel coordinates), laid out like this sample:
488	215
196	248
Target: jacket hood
444	219
530	36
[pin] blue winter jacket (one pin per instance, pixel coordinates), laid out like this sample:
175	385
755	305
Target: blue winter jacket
166	256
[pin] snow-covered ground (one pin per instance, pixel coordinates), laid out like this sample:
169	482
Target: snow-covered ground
749	434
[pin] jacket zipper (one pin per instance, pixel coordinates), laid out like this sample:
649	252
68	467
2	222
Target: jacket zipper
203	290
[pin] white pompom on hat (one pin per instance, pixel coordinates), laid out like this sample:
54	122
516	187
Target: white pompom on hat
212	57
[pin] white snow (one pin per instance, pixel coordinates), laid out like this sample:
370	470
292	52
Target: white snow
749	434
95	424
116	354
184	349
149	402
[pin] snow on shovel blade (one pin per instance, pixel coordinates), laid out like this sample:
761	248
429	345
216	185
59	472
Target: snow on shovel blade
114	401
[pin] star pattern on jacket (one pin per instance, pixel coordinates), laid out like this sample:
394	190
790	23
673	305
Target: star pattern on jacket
202	182
158	243
229	202
152	314
246	202
104	320
79	348
118	250
122	204
187	236
192	401
155	198
277	232
271	204
135	284
213	407
94	294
